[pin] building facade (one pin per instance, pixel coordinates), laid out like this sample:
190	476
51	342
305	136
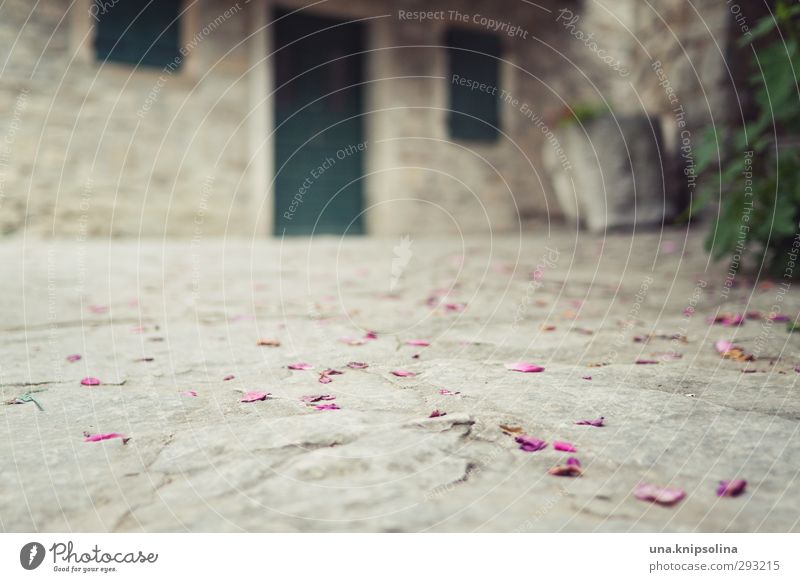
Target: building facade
200	118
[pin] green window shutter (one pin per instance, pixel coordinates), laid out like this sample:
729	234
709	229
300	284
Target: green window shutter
474	114
139	32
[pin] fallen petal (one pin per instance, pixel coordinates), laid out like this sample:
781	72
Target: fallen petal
317	398
646	361
729	351
192	393
74	358
418	342
271	343
403	373
94	438
327	407
90	381
254	396
446	392
596	422
530	444
524	367
563	446
357	365
437	414
733	320
723	346
299	366
323	379
332	372
568	470
732	488
510	429
660	495
228	377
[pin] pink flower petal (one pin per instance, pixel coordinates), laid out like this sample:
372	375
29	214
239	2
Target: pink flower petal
323	379
776	317
255	396
327	407
437	414
317	398
732	488
530	444
94	438
90	381
572	468
357	365
455	307
74	358
723	346
564	446
332	372
403	373
371	335
586	377
524	367
446	392
598	422
726	319
733	321
228	377
660	495
418	342
192	393
647	361
299	366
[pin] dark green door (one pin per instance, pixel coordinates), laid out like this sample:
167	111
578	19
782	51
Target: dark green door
319	136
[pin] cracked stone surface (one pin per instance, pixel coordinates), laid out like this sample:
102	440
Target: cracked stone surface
154	319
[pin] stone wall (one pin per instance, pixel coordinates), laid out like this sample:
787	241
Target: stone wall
109	150
104	149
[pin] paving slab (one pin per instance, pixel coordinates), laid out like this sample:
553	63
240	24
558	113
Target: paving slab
154	319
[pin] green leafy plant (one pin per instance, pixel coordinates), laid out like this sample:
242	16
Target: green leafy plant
755	168
581	113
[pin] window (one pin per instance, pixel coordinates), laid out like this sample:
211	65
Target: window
474	85
140	32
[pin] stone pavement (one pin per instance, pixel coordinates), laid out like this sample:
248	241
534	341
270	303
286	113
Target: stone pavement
152	320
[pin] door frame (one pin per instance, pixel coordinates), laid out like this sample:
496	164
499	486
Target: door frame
336	19
262	86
